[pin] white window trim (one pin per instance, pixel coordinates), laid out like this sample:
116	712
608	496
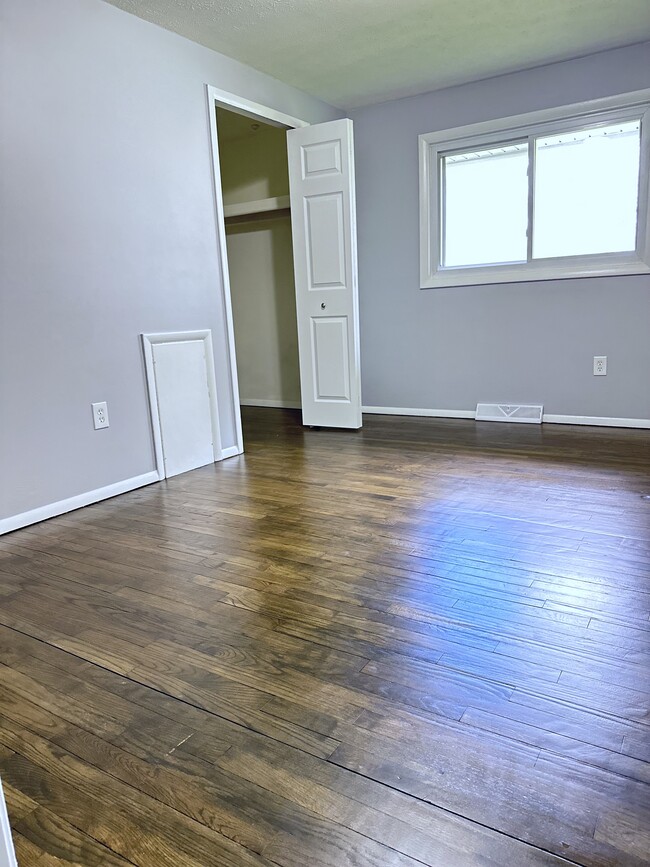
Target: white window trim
608	110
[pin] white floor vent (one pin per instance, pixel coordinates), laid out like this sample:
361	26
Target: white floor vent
509	412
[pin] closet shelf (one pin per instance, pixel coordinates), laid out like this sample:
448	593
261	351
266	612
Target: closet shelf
261	206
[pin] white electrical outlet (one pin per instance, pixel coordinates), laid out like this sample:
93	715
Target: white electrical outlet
600	365
100	415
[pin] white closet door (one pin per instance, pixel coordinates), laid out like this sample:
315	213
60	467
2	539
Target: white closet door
321	179
183	405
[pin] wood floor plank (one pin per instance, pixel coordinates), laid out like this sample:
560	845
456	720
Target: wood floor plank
112	812
47	840
423	643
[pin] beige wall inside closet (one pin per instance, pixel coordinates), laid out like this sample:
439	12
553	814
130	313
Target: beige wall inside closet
253	159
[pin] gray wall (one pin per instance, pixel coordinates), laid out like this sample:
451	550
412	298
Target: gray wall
527	342
107	228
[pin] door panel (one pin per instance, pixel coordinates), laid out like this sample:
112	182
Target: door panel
325	241
330	358
321	159
321	179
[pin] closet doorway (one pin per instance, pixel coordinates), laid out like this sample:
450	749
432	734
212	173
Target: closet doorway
270	244
257	217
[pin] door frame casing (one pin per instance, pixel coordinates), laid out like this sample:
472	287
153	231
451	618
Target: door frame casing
7	853
148	343
233	102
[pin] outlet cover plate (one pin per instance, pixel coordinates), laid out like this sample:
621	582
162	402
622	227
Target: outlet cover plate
100	415
600	365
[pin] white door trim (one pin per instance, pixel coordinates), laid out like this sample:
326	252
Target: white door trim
7	854
253	109
256	110
148	341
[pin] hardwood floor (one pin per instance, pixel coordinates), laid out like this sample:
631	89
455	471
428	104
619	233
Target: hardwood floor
427	642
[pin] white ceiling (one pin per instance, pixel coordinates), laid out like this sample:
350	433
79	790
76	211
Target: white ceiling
355	52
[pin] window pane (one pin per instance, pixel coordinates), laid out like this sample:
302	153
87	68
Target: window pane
586	189
485	206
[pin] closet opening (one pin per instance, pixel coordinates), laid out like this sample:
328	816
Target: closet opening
255	188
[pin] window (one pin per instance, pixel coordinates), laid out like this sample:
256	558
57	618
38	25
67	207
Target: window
542	196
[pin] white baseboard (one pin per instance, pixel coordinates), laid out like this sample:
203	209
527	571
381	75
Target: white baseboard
230	452
597	421
547	418
78	502
424	413
279	404
7	525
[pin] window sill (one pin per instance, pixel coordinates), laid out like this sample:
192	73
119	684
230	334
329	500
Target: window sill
555	269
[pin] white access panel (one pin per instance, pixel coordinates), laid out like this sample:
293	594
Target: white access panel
321	180
184	411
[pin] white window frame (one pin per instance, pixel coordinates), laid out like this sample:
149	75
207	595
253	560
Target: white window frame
601	112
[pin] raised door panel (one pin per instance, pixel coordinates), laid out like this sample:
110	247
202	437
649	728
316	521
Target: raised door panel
330	358
325	239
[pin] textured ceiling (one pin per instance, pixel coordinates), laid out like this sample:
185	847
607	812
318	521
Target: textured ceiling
355	52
